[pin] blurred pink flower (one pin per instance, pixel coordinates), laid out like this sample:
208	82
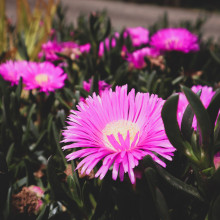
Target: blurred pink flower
50	49
206	96
85	48
137	57
52	32
138	35
102	86
175	39
106	43
71	33
118	129
67	45
44	76
12	70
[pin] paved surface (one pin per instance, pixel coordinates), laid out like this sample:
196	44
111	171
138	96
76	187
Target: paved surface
130	14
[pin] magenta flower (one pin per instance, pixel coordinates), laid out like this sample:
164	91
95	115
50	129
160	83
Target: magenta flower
137	57
118	128
11	70
206	96
85	48
175	39
101	84
44	76
106	43
50	49
138	35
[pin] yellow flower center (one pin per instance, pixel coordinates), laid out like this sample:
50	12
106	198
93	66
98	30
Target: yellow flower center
41	78
122	127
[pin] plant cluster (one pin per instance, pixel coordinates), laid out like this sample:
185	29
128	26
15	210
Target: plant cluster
100	124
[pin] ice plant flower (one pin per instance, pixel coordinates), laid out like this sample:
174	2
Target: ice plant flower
69	45
12	70
175	39
138	35
118	128
44	76
50	49
28	200
75	52
85	48
106	43
206	95
137	57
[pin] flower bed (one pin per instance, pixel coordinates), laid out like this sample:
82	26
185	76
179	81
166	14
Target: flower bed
99	124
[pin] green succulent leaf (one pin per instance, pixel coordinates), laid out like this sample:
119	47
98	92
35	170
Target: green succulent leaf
186	124
19	89
214	212
162	207
174	182
59	188
43	213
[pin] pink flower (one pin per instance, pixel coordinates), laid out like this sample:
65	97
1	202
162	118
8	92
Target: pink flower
44	76
52	32
36	189
39	192
138	35
28	200
12	70
119	129
102	86
50	49
206	96
178	39
137	57
85	48
106	43
67	45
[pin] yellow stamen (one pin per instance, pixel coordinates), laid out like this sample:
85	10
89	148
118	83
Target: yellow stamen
41	78
122	127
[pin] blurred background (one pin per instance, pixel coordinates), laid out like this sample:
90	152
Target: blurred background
141	12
